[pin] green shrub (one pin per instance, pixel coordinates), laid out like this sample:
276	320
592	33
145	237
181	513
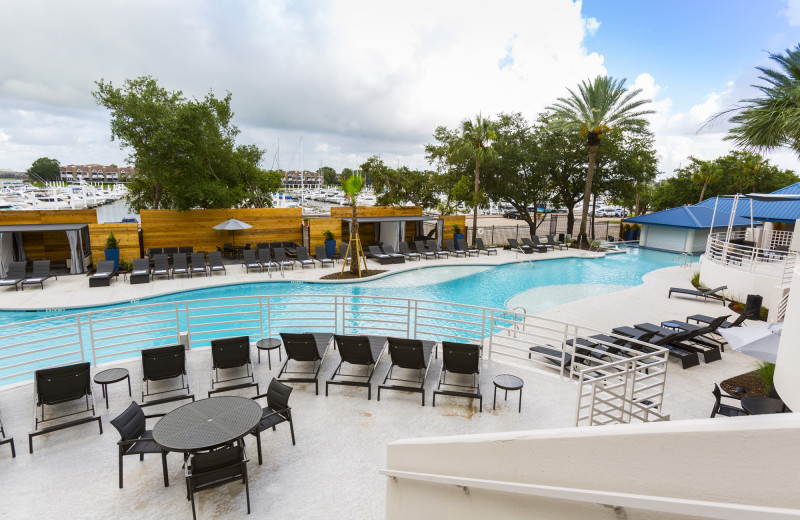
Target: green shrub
125	265
766	371
456	228
626	227
111	241
328	235
696	279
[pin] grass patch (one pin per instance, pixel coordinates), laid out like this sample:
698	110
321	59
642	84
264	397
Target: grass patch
347	276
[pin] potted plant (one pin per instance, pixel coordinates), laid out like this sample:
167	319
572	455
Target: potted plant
305	221
627	234
636	231
112	249
457	234
330	243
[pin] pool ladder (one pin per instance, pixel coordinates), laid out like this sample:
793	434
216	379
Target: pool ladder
683	259
514	315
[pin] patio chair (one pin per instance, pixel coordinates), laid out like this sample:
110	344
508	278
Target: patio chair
198	264
301	254
140	273
307	348
215	264
249	260
725	409
41	272
434	248
186	249
397	258
405	251
154	251
7	440
160	266
408	354
228	353
136	439
672	341
169	251
738	322
539	243
534	247
521	248
422	250
711	328
161	363
695	340
55	386
280	258
482	248
15	275
265	259
228	249
290	247
460	244
451	248
209	469
460	359
179	264
551	241
277	411
705	293
322	256
362	351
343	252
376	254
102	276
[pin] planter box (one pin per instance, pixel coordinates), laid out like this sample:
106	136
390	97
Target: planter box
330	248
113	254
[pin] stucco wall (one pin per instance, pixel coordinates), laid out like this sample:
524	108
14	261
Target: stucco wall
741	283
786	381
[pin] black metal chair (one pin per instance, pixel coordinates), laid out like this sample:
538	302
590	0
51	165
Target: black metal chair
304	348
249	260
363	351
408	354
265	259
206	470
7	440
433	247
54	386
179	264
725	409
461	359
136	439
322	256
303	258
422	250
460	244
103	274
198	264
41	272
521	248
160	266
15	275
215	263
451	248
280	258
140	273
376	254
231	353
538	243
481	248
405	251
397	258
162	363
276	411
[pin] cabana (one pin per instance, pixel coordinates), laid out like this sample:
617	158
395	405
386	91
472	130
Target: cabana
392	230
12	246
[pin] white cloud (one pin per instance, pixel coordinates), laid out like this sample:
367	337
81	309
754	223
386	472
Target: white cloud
591	25
792	12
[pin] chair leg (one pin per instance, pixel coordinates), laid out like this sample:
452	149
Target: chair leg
164	465
120	467
246	487
291	427
258	444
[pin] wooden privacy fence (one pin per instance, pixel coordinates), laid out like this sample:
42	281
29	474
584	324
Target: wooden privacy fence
127	235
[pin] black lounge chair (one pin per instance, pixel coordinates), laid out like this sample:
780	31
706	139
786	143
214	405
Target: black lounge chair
198	264
15	275
169	251
186	249
433	247
551	241
163	363
538	243
208	469
154	251
281	260
725	409
249	260
343	252
406	252
7	440
408	354
301	254
671	340
54	386
704	293
422	250
102	276
376	254
41	272
304	348
397	258
690	340
228	353
364	351
534	247
451	248
481	248
521	248
738	322
140	273
179	264
276	411
215	263
265	259
160	266
463	359
322	256
460	244
136	439
711	328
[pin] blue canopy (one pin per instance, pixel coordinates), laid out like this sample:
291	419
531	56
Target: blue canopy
690	217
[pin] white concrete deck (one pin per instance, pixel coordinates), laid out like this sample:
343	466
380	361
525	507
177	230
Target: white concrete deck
341	440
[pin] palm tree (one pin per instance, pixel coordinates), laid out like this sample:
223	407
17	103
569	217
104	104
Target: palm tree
352	186
706	173
476	145
598	107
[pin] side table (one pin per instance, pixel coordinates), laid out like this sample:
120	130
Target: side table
112	375
268	344
508	382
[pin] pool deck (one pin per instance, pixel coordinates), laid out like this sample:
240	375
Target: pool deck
341	440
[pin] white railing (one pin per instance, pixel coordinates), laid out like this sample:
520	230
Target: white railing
781	314
735	252
777	238
683	259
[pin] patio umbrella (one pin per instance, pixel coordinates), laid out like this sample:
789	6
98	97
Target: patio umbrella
759	341
232	225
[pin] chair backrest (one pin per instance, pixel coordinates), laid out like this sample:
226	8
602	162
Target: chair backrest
141	264
215	258
302	253
163	362
249	256
343	249
710	291
744	316
179	261
65	383
479	243
675	337
230	352
460	245
461	358
448	244
198	261
274	245
170	250
41	268
264	255
300	347
16	271
407	353
280	254
154	251
389	250
106	266
527	241
717	400
210	468
262	245
161	262
404	248
420	245
513	243
278	395
716	322
130	424
186	249
375	251
320	252
432	245
354	349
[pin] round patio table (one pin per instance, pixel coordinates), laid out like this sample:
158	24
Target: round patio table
758	405
268	344
112	375
508	382
207	424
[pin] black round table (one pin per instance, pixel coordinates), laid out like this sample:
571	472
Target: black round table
112	375
268	344
758	405
207	423
508	382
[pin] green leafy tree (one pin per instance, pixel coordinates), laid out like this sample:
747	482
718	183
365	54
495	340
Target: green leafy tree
706	173
401	186
44	169
453	177
596	108
328	175
351	187
475	145
628	164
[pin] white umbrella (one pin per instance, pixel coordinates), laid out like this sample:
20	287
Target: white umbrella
759	341
232	225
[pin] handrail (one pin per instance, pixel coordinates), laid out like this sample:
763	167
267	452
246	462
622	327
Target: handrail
614	499
682	258
781	314
773	263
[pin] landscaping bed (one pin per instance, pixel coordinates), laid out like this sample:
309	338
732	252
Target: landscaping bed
347	276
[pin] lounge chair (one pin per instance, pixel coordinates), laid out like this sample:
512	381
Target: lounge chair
281	260
521	248
15	275
186	249
671	340
725	409
162	363
198	264
708	329
551	241
205	470
534	247
422	250
738	322
539	243
136	439
301	253
363	351
483	249
322	256
434	248
460	244
229	353
397	258
705	293
140	273
460	359
160	266
215	263
265	259
169	251
154	251
304	348
249	260
343	252
406	252
179	264
276	411
408	354
7	440
41	272
54	386
451	248
102	276
375	254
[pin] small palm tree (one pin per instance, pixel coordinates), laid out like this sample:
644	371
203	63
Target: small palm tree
598	107
352	186
707	172
476	145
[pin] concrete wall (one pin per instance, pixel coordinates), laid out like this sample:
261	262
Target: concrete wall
741	283
786	381
746	460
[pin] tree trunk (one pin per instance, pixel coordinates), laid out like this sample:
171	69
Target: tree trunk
570	219
594	212
157	196
702	192
475	201
587	192
355	261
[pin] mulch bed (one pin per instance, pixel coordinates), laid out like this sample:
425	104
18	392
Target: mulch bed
347	276
749	381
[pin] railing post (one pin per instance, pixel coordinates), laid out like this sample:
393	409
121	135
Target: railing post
491	334
269	317
80	340
188	321
408	319
177	323
91	339
261	313
483	328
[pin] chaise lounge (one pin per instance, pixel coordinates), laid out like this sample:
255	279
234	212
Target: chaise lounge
714	294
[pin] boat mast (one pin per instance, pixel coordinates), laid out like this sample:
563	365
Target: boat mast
302	176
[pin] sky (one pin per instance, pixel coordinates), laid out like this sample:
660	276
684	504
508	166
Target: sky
355	78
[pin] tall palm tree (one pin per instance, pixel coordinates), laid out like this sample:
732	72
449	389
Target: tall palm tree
476	145
598	107
351	187
707	172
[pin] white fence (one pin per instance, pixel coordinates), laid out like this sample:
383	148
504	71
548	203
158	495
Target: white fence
735	252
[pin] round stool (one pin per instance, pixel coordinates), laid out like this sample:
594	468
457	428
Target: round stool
268	344
508	382
112	375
